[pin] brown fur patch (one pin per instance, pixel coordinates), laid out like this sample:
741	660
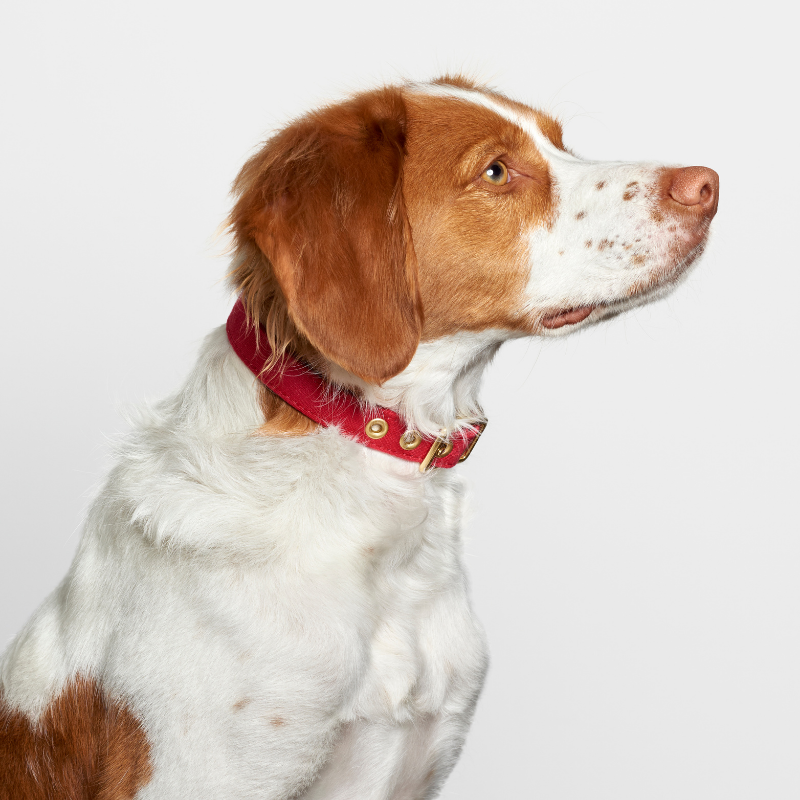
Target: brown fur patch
84	747
580	215
281	419
600	185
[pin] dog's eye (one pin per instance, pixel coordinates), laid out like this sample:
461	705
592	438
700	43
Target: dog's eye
496	173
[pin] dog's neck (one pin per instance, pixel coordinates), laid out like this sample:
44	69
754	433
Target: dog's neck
439	388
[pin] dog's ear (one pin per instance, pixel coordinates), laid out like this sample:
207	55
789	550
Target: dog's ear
324	203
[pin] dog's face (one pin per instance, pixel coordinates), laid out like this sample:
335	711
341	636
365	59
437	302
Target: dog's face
411	213
513	231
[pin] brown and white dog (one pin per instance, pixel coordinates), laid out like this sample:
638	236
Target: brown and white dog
261	606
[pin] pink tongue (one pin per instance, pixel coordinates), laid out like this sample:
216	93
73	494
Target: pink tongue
567	317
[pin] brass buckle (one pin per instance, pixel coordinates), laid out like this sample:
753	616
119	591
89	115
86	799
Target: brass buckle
481	427
440	447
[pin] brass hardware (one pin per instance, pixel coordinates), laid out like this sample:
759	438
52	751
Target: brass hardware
440	447
377	428
481	426
410	440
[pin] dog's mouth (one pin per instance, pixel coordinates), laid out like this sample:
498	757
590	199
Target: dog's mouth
570	317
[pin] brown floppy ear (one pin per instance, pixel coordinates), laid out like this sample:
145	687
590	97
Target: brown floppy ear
324	203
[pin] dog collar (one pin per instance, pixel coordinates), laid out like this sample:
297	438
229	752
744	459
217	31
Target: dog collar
376	427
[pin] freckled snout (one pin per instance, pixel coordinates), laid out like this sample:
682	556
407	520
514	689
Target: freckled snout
696	188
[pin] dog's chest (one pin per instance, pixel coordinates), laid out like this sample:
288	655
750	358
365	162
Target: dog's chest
409	585
424	660
364	613
368	641
418	639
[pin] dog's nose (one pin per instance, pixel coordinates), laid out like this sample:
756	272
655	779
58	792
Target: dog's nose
695	186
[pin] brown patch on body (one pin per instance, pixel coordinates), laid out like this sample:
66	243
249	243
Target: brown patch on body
587	244
85	746
580	215
600	185
281	419
604	244
239	705
637	259
277	722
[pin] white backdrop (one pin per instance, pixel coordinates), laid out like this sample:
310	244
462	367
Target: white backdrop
635	547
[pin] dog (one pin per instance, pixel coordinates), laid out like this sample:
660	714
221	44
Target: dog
268	599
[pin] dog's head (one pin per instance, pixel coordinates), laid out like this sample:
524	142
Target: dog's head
414	212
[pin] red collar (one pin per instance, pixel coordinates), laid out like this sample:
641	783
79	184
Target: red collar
310	394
